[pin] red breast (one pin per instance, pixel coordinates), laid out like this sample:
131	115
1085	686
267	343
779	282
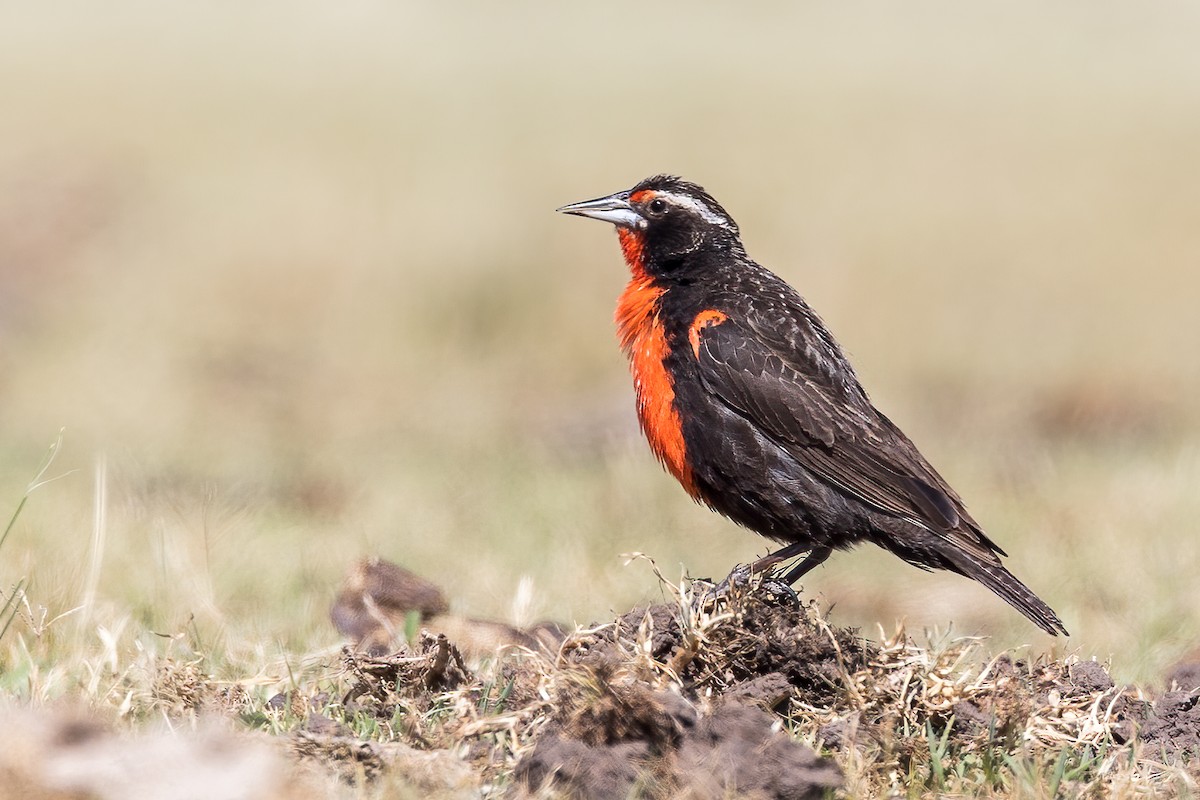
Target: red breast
645	343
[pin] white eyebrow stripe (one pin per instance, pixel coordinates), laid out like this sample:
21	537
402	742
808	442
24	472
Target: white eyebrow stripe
692	203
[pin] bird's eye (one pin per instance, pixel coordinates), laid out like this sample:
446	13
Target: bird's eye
658	206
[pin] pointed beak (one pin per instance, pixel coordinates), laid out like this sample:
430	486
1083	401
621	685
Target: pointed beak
615	209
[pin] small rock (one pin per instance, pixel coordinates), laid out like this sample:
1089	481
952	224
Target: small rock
1090	676
1184	676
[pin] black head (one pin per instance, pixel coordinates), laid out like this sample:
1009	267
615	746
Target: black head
671	219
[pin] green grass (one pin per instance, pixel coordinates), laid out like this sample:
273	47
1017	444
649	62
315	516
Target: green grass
292	274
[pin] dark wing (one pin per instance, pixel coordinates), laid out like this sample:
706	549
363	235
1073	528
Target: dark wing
792	382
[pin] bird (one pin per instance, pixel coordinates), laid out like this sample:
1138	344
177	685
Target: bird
751	404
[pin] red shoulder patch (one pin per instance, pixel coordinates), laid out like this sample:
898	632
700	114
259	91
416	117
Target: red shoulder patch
705	319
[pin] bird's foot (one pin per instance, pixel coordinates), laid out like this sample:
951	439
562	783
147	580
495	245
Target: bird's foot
779	593
743	580
737	580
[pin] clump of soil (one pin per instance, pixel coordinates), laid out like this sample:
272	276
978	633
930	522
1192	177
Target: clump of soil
748	646
375	599
1172	725
612	735
379	601
1184	676
183	688
634	705
672	700
433	666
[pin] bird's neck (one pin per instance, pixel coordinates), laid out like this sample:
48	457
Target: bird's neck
637	308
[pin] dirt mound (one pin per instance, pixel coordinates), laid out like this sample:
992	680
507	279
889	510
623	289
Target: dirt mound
752	645
1172	726
745	692
636	705
630	738
741	693
673	699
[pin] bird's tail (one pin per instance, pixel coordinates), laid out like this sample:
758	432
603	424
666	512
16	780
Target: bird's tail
1009	588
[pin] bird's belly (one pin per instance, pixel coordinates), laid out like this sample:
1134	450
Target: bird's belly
751	479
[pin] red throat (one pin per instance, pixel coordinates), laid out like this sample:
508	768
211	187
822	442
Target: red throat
645	343
633	248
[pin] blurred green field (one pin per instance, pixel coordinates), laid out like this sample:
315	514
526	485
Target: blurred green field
291	273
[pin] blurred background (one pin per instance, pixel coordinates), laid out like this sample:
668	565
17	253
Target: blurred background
290	277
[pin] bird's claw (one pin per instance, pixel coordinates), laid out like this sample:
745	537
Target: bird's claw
780	593
737	579
742	579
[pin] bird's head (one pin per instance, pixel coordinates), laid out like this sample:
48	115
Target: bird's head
662	221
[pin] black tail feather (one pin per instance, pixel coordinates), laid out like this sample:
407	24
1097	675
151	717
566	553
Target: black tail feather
1010	589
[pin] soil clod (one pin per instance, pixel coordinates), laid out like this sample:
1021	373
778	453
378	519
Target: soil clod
381	604
616	740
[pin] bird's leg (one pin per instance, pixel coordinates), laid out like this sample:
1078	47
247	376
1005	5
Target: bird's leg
815	558
783	554
780	588
741	574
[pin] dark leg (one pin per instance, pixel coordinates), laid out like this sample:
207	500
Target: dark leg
814	559
783	554
741	574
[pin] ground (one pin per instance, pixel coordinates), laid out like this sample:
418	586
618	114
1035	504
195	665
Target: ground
749	692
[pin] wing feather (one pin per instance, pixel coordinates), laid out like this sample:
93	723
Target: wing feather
831	429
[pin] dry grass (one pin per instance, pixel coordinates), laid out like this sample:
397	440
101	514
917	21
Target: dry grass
292	274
